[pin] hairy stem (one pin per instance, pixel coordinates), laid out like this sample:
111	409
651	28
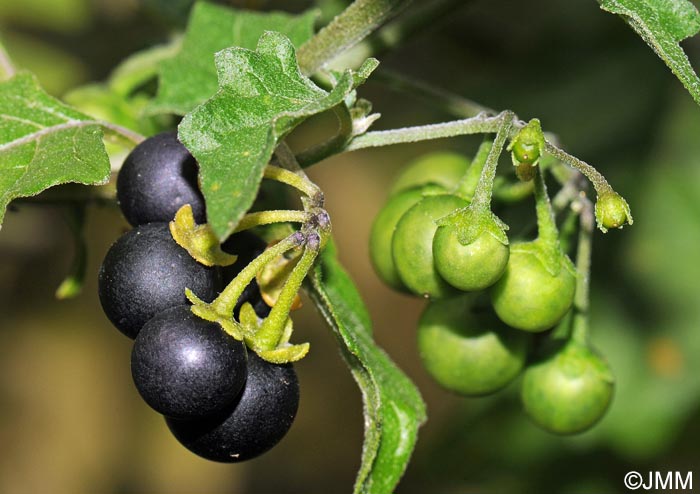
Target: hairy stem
583	268
482	195
546	225
226	301
292	179
393	34
599	182
334	145
251	220
269	334
349	28
476	125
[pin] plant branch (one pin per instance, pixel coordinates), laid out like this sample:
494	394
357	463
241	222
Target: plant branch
599	182
425	14
251	220
349	28
476	125
583	267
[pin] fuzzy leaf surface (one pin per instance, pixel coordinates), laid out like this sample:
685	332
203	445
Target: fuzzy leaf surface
190	77
44	142
393	407
663	24
262	96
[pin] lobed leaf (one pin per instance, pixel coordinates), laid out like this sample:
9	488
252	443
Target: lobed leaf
393	407
44	142
190	77
262	96
663	24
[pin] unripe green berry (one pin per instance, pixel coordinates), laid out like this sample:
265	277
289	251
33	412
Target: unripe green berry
612	211
441	168
568	390
412	245
383	231
471	267
528	296
467	350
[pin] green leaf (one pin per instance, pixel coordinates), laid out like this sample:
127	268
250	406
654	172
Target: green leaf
393	406
190	77
44	142
262	97
663	24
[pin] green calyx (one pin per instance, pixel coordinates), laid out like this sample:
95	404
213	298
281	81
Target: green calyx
526	149
612	211
470	223
199	240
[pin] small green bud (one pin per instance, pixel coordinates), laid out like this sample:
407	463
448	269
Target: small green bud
612	211
526	149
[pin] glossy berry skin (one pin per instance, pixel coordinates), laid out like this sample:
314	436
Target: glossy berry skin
529	297
146	272
444	169
253	424
157	178
383	229
471	267
412	245
186	367
568	390
467	350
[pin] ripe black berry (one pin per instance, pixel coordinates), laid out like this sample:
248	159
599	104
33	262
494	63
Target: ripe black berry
252	425
157	178
146	272
187	367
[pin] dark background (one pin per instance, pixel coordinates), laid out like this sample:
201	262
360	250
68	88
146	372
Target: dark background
72	422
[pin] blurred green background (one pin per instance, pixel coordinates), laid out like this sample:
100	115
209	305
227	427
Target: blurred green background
72	422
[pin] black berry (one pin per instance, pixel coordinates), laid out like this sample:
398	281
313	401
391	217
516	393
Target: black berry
157	178
252	425
146	272
187	367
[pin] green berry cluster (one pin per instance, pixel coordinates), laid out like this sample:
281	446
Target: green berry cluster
437	237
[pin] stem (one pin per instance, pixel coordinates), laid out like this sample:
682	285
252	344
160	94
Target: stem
270	332
396	32
7	69
284	176
597	179
73	282
226	301
475	125
346	30
121	132
468	184
546	225
251	220
482	195
583	267
334	145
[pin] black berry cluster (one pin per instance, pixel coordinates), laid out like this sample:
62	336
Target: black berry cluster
220	400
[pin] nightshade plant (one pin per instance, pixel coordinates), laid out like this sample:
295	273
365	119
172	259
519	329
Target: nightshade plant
242	82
